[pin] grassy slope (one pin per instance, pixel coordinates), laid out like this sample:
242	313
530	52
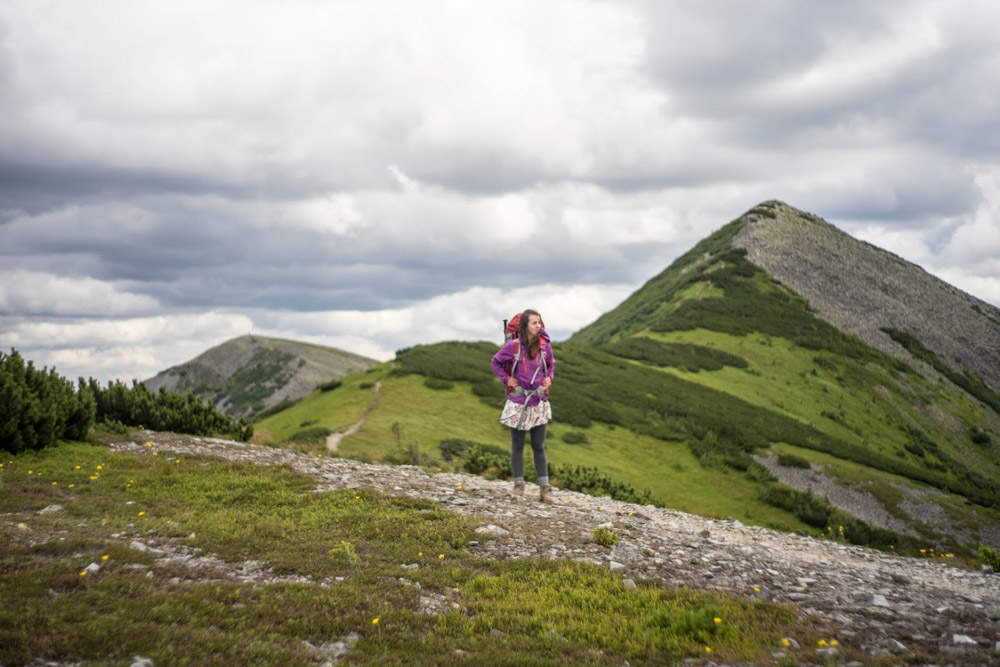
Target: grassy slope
871	405
353	541
806	384
335	410
427	416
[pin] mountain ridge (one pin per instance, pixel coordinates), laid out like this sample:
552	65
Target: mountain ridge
813	257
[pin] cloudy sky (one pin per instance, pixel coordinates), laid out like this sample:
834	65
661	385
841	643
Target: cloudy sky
371	175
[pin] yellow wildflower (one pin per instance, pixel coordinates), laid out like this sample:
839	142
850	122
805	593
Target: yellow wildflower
31	472
99	467
833	642
83	573
923	551
105	557
708	649
142	514
156	453
822	642
756	589
55	483
420	553
70	486
785	642
375	621
717	620
74	467
440	556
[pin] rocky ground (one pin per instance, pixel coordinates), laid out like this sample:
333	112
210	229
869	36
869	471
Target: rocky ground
881	604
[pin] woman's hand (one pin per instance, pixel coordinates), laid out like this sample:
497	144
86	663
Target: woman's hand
546	382
512	382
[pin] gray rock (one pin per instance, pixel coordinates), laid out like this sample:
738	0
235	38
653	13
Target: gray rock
93	568
827	652
628	583
963	640
139	661
615	566
49	509
879	601
497	633
491	529
410	566
895	647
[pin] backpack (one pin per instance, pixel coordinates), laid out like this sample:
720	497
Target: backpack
511	332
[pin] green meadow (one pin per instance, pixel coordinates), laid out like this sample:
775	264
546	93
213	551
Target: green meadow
672	392
337	558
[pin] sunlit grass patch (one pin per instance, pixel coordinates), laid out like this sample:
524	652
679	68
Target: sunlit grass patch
568	606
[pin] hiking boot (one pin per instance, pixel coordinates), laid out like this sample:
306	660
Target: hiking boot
518	489
545	494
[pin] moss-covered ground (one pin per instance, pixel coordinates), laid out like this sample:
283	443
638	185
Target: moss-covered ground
349	547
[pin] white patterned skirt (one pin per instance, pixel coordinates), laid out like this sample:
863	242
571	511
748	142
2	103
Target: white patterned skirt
523	417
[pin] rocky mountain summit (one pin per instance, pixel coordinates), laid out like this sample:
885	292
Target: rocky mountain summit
861	289
250	373
877	606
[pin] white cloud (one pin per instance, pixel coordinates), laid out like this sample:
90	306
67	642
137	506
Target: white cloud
36	293
978	238
120	348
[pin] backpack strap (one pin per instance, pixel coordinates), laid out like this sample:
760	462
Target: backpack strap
517	357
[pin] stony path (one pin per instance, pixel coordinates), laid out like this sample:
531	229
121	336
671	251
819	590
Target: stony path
333	440
882	604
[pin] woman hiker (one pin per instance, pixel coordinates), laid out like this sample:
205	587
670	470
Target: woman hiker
527	411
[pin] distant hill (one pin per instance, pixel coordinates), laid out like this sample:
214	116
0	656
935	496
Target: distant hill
251	373
780	372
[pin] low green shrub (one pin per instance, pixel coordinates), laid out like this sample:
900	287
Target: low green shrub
40	407
980	437
793	461
988	556
311	434
329	386
606	537
690	357
575	437
439	384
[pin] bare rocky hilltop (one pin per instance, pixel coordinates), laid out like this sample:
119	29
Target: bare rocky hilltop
861	289
878	606
251	373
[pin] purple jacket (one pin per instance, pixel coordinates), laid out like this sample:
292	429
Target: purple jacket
526	368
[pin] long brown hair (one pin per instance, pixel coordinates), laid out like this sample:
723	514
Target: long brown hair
531	346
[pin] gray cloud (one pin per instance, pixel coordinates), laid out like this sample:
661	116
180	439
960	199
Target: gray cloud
168	178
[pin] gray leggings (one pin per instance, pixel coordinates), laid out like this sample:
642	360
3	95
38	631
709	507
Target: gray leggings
537	448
